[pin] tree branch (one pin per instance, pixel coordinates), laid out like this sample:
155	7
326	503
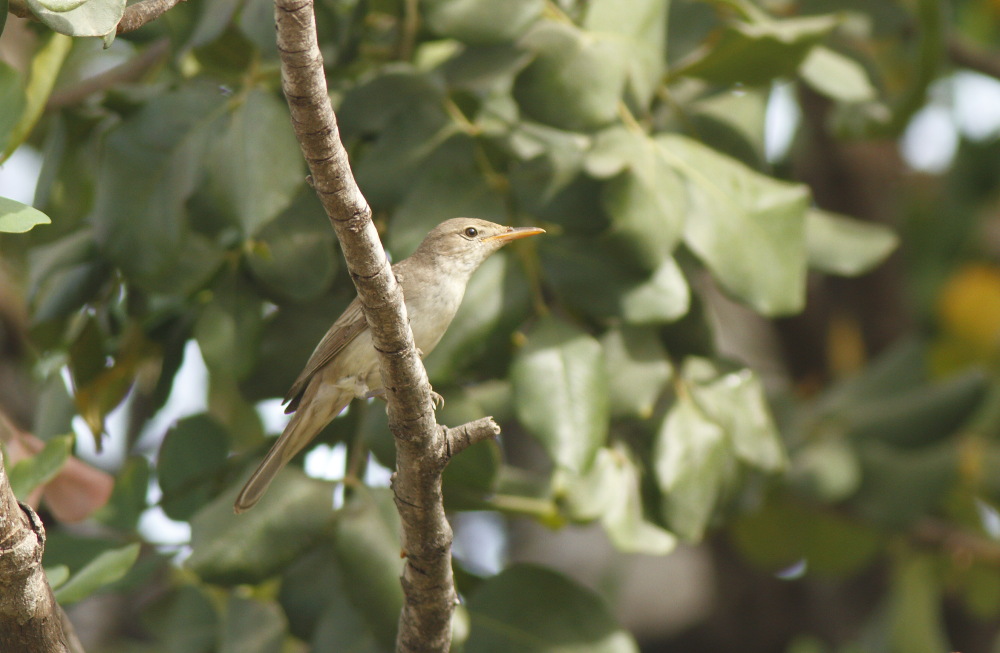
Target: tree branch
462	437
145	11
30	619
979	60
422	448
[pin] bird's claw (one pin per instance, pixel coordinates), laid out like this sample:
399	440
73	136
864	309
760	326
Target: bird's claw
435	397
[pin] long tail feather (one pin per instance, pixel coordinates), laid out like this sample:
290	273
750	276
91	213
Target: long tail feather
303	427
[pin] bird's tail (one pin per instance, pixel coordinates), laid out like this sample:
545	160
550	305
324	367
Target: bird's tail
303	426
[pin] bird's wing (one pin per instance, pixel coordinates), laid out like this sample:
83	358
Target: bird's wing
347	327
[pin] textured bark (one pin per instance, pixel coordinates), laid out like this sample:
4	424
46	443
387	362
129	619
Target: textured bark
422	447
30	619
145	11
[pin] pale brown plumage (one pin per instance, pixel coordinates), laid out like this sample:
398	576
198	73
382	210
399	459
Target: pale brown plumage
344	364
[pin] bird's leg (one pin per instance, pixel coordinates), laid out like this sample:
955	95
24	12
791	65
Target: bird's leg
435	397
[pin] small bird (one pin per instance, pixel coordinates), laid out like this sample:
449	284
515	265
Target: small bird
344	364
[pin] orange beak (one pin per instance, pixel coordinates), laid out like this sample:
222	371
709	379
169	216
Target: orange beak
515	233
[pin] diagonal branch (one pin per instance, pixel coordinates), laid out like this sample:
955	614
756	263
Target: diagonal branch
422	448
968	56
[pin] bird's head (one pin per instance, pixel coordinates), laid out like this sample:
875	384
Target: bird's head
467	242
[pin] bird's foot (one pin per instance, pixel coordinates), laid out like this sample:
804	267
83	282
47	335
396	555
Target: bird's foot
435	397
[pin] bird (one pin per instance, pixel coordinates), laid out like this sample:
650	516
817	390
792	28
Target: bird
344	365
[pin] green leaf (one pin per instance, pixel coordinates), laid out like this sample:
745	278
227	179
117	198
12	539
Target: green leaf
64	275
899	486
150	168
561	392
232	549
576	80
552	160
826	468
914	418
342	628
16	218
79	17
400	116
54	407
308	586
128	499
587	275
837	244
192	453
185	621
12	98
252	626
471	478
487	71
294	254
614	149
229	328
638	370
734	399
60	5
256	22
784	533
641	25
30	473
836	76
693	465
45	67
57	575
367	546
663	297
254	165
748	229
733	122
103	370
647	205
754	53
611	492
106	568
534	610
481	21
452	186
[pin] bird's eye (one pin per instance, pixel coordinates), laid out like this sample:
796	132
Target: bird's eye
471	232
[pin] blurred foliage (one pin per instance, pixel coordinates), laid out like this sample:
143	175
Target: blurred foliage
634	132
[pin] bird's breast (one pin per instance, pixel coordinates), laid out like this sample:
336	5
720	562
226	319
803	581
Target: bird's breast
431	313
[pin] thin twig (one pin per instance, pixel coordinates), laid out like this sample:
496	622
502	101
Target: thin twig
462	437
145	11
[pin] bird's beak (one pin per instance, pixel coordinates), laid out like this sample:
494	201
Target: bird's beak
514	233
